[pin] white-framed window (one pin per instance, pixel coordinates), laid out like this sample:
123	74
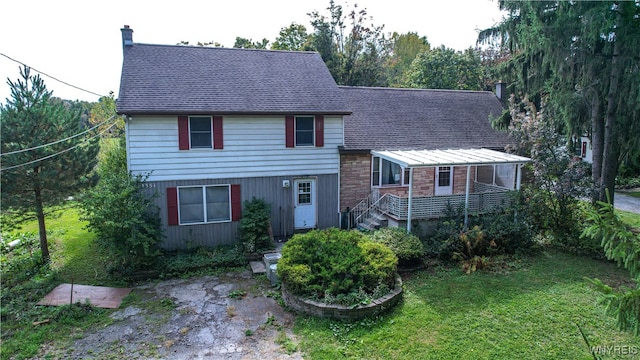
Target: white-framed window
200	132
204	204
387	173
444	176
304	130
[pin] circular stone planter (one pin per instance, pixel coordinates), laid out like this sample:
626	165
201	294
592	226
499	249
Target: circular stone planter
336	311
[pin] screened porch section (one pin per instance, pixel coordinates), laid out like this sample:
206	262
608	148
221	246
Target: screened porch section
497	175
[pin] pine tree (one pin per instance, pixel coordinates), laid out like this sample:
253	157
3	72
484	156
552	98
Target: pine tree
42	176
581	58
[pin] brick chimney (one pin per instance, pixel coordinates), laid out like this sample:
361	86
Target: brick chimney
127	36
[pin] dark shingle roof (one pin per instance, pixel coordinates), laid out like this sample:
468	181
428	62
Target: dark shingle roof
419	119
186	79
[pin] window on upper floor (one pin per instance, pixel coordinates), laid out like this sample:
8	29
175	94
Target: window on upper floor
387	173
304	130
200	132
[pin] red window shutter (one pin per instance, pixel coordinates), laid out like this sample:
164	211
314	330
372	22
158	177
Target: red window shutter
183	132
172	205
584	149
236	203
290	131
319	131
217	132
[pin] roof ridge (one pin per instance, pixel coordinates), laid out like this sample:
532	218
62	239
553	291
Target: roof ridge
225	48
412	89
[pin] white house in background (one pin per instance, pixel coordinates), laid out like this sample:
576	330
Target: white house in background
585	151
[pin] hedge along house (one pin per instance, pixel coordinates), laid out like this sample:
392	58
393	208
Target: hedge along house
409	153
214	127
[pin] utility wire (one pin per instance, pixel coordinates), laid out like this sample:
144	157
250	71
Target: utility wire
52	77
59	141
58	153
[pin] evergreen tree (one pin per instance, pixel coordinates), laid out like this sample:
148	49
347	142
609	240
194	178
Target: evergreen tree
35	177
581	59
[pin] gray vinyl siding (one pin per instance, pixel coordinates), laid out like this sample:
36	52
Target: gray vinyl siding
268	188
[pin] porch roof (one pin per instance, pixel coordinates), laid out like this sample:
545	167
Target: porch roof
454	157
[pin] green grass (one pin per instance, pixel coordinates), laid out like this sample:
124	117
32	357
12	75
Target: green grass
75	257
635	194
531	312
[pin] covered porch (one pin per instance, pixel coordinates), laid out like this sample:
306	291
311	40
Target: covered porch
496	175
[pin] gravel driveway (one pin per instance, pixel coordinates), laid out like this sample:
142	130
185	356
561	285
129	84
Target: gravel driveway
195	319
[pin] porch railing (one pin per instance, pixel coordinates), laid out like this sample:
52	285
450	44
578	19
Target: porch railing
486	198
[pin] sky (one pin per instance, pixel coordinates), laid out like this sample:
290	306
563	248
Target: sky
79	41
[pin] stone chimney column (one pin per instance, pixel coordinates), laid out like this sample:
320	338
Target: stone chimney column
127	36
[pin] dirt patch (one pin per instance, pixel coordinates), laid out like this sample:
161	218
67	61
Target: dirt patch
232	316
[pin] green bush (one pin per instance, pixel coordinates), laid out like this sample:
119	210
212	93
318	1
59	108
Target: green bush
333	265
627	182
21	262
407	247
201	260
254	229
120	210
504	231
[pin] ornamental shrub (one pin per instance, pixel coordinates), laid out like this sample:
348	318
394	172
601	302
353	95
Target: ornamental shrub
407	247
254	230
333	263
121	211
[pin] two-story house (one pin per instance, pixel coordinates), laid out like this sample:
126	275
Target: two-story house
216	126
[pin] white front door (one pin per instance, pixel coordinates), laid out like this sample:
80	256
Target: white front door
444	180
304	215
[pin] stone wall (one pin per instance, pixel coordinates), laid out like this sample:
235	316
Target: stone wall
335	311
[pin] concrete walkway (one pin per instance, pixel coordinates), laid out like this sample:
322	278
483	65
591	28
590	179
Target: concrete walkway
625	202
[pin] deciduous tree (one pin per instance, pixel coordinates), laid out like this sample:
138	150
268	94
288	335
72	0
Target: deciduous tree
103	113
244	43
294	37
445	68
354	54
402	50
45	156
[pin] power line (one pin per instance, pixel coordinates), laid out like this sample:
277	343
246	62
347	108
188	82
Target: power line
52	77
58	153
59	141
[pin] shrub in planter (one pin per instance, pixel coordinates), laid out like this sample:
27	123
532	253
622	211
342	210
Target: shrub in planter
335	264
407	247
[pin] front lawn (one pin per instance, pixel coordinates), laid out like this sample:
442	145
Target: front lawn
529	310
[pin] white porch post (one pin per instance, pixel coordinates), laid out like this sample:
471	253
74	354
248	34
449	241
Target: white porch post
466	197
410	199
518	175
